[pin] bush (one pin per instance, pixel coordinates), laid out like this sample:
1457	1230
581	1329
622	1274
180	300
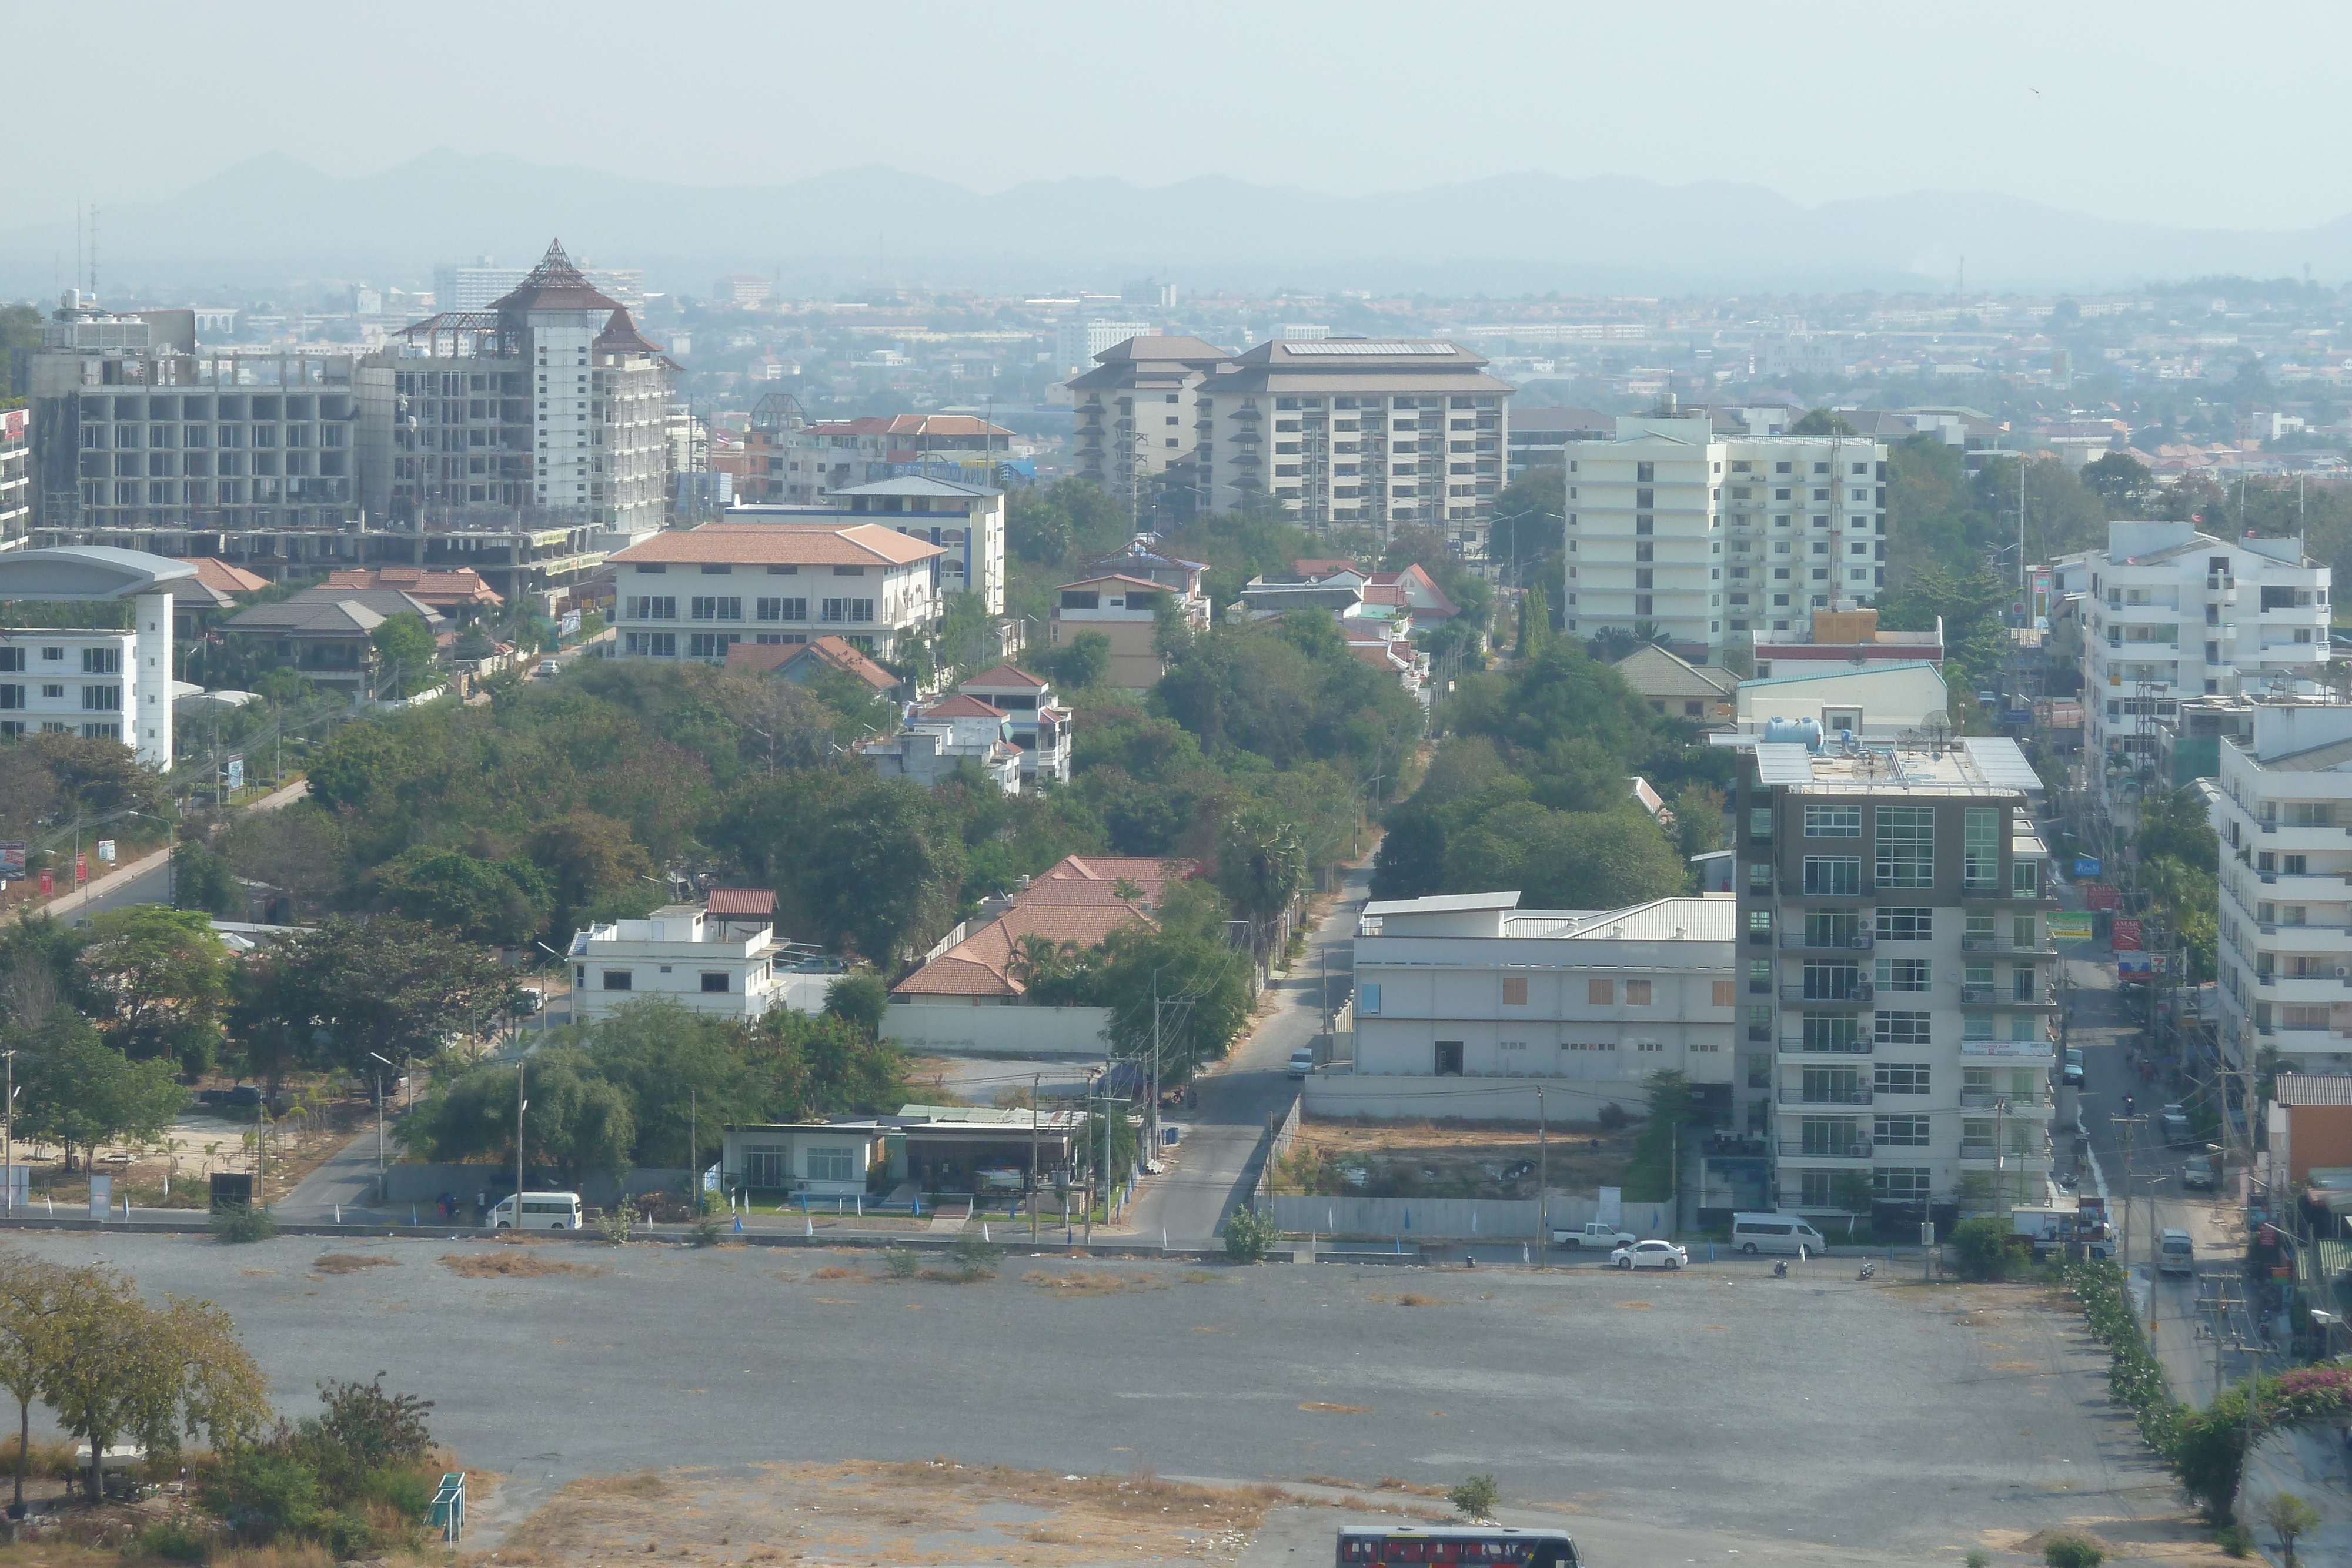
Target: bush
1614	1117
1249	1236
264	1492
901	1262
2235	1540
1475	1497
707	1231
2290	1518
1981	1246
241	1223
2070	1550
1978	1557
975	1258
616	1223
173	1540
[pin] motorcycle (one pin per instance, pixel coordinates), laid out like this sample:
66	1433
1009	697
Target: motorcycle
1780	1270
1869	1271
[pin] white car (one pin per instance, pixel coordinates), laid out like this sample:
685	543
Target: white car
1649	1255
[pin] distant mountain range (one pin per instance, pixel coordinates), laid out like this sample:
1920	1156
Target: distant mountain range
273	220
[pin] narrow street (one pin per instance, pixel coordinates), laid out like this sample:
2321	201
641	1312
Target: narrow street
1190	1198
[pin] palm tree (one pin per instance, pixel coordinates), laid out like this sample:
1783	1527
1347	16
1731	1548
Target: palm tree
1038	960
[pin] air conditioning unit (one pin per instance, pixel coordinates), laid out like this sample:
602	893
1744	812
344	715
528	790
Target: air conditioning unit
1858	1097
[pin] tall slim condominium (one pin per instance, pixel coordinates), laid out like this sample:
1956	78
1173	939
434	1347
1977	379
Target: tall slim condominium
2170	612
1895	964
1137	409
1358	431
1719	539
549	408
15	476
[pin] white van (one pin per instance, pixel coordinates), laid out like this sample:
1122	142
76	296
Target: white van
2175	1253
540	1211
1754	1233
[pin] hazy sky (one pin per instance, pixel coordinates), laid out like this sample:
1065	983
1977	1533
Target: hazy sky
2198	115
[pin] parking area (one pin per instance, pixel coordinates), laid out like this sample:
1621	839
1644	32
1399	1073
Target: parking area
1879	1416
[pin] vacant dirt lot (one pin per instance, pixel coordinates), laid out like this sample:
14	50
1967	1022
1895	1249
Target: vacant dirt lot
1339	1156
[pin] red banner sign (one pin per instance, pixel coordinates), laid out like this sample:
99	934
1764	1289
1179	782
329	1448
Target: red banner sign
2101	895
2124	934
81	869
49	884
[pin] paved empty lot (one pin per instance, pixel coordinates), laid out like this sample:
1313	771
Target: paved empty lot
1813	1408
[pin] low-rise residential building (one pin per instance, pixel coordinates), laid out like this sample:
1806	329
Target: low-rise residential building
954	733
2310	1127
1587	1003
1038	726
1082	900
921	1151
1850	639
1123	597
328	634
99	682
216	589
1675	686
1895	968
719	956
966	521
801	663
2280	808
694	593
2171	613
791	461
459	592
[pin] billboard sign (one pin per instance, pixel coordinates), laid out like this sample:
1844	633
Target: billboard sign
2101	895
2087	865
2124	934
2133	966
2069	927
106	851
236	773
11	859
81	868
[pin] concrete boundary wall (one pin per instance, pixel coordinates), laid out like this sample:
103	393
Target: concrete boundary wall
1565	1100
424	1183
1452	1219
1020	1032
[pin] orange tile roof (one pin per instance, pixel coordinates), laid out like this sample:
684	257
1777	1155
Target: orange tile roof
1005	675
961	706
1120	577
216	573
741	901
453	585
1074	902
773	544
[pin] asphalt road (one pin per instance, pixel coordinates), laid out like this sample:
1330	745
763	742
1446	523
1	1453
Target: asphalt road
1879	1416
1222	1135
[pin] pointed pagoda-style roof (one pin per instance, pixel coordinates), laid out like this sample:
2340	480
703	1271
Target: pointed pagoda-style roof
556	285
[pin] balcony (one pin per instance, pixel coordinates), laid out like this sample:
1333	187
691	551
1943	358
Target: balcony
1797	939
2005	997
2309	937
1857	1151
1857	995
2038	1100
2313	988
2042	948
1794	1045
1982	897
1858	1096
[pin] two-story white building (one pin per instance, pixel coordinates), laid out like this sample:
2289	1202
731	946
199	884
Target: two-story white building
694	593
1038	725
99	682
952	733
2283	809
717	957
1585	1003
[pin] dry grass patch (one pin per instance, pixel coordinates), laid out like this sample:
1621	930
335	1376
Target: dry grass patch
1409	1299
1090	1282
1418	1488
640	1484
351	1262
1324	1407
508	1266
834	1271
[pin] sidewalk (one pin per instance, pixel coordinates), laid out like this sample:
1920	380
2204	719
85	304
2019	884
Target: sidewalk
64	905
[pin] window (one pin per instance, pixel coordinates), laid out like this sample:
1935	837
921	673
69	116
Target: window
1832	1031
1601	992
1903	975
714	980
1981	845
1899	1078
1368	998
101	699
1901	1028
853	610
652	607
764	1167
2025	879
1897	924
782	609
1831	982
717	608
1832	875
1832	930
620	979
1515	991
12	659
1818	1190
102	661
650	645
1833	821
710	644
1906	846
12	697
1899	1183
1910	1131
1637	993
830	1164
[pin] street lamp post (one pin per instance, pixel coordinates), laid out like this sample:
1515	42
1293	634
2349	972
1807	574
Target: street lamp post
379	1128
8	1137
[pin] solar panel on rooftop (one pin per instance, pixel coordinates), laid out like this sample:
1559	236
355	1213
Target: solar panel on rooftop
1358	345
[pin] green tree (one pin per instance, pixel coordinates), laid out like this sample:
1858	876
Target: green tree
594	866
1183	959
1652	1175
682	1075
2121	480
1822	422
1980	1246
34	1292
859	1000
406	646
1260	864
1077	665
2290	1518
163	975
203	881
501	903
578	1122
343	992
77	1090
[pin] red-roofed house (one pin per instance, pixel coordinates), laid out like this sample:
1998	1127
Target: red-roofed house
457	593
1077	902
1420	589
801	663
1039	727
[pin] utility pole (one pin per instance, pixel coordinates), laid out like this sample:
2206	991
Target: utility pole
523	1066
1036	1083
1543	1179
1154	1120
8	1137
379	1129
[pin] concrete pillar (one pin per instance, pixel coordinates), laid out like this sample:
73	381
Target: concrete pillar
150	689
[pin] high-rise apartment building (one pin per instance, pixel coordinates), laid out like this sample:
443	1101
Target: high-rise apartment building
1719	539
1896	965
481	286
1358	431
1136	413
15	476
546	415
1077	342
2283	809
2171	613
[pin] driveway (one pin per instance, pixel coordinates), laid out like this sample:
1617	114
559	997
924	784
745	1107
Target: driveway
1191	1200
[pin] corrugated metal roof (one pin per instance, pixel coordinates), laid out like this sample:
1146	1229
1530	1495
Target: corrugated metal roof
1665	920
1444	903
2314	1089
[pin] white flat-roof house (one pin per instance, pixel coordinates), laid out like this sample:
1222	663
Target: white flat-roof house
99	683
1585	1002
717	957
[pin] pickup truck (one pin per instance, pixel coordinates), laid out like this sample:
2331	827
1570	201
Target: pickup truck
1608	1237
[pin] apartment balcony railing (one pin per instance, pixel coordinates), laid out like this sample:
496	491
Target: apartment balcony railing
1796	1045
1857	995
1827	1101
1861	942
2038	1100
1859	1149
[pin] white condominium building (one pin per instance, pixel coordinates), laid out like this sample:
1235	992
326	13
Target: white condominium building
2170	612
2283	808
694	593
1717	540
1352	430
1895	974
1135	409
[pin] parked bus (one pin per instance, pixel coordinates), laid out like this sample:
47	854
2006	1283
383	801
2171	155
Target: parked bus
1460	1545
